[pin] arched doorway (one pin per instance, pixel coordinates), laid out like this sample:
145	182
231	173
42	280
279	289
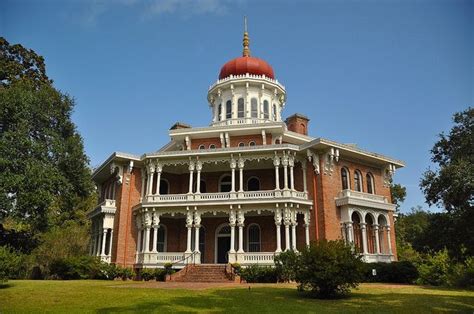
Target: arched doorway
222	244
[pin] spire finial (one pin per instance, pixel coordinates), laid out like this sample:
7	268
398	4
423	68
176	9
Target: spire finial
246	41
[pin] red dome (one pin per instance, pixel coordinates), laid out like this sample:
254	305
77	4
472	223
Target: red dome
244	65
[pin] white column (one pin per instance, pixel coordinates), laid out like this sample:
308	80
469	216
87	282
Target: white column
291	163
233	164
287	222
151	170
155	238
278	227
191	171
147	239
104	239
350	232
240	223
158	181
389	241
197	225
198	177
110	242
284	162
364	237
143	173
306	226
377	239
139	241
276	163
293	230
241	175
232	220
305	184
189	226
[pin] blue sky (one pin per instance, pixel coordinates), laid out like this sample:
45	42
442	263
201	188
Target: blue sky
387	75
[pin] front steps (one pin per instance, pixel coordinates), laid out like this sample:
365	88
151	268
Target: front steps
202	273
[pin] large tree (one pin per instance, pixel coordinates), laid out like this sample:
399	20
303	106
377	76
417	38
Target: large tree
45	173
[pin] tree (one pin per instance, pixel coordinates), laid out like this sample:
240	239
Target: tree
398	193
45	174
452	185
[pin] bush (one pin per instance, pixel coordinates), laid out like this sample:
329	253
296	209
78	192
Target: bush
286	264
125	273
435	269
82	267
395	272
256	273
105	271
329	269
160	274
168	268
12	264
463	276
147	274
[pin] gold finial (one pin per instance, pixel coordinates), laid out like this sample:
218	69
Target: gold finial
246	41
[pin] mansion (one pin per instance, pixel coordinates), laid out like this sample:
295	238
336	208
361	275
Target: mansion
241	190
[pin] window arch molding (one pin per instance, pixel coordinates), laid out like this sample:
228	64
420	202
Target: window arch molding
254	238
370	183
358	180
225	183
241	144
202	146
345	178
223	230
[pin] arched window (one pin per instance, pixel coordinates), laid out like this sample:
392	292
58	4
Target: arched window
370	183
253	236
253	184
228	109
357	181
212	146
202	147
164	187
254	108
357	230
252	143
266	110
240	108
345	179
371	245
161	239
275	112
225	184
241	144
219	112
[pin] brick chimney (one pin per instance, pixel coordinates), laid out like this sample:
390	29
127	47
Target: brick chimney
297	123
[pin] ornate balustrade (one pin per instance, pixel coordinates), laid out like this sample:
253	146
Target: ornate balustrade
349	197
375	258
260	258
158	259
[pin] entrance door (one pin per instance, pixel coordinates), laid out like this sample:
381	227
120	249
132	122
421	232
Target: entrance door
223	246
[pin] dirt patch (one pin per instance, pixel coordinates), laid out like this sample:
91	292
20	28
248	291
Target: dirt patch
203	285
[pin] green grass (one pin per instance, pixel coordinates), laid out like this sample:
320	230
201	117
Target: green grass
116	296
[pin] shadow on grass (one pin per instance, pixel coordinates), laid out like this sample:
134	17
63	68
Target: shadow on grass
5	285
289	300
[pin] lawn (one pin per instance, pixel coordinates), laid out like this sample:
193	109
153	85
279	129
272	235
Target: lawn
117	296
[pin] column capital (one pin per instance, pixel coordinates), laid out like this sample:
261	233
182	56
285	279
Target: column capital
191	165
197	219
241	163
158	167
150	167
233	163
198	165
276	160
278	217
240	218
232	218
362	225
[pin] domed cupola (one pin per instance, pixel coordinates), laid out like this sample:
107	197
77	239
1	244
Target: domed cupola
246	91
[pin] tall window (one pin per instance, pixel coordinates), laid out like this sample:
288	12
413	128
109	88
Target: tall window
254	107
253	244
274	112
357	181
228	109
253	184
240	108
266	110
345	179
219	112
161	239
370	183
225	185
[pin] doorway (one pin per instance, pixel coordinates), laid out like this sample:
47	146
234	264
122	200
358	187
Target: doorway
222	244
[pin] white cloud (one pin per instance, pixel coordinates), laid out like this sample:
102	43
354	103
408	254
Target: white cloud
189	7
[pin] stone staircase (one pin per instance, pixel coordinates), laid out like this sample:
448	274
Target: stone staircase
202	273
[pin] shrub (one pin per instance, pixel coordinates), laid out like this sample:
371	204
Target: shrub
256	273
168	268
329	269
463	276
147	274
435	269
12	264
103	270
124	273
237	268
160	274
82	267
286	264
395	272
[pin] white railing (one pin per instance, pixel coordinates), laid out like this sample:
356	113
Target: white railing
108	203
259	194
214	196
261	258
169	257
362	195
239	121
245	76
375	258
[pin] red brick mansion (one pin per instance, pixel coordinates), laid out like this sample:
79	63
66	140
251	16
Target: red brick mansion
243	189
